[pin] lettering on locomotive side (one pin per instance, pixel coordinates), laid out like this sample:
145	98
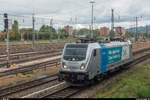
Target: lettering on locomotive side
110	56
114	55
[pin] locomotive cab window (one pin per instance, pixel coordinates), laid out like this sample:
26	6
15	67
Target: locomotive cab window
94	53
75	52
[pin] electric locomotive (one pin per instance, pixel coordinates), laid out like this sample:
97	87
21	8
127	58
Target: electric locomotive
83	62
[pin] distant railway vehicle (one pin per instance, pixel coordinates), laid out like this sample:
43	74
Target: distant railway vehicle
83	62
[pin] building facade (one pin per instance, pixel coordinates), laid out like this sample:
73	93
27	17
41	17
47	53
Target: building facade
104	31
120	31
69	29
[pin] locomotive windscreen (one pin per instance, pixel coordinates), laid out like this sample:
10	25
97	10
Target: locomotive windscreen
75	52
76	46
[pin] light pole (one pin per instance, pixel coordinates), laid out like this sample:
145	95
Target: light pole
92	2
137	34
112	24
33	34
51	26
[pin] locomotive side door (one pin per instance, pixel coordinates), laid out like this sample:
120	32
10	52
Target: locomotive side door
93	64
98	61
95	61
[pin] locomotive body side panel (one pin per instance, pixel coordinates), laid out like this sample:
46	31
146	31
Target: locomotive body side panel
110	56
113	57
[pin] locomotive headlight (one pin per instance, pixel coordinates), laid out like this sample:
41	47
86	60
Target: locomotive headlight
65	66
82	67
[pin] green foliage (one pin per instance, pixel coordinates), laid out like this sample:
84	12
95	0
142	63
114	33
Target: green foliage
19	74
143	93
15	29
83	31
118	79
87	33
46	28
27	33
96	33
34	71
63	33
134	85
130	34
28	75
28	79
112	34
75	32
47	32
1	37
13	84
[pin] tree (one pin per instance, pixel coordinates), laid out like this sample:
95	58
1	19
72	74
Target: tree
84	31
96	33
63	33
27	32
47	32
112	34
1	36
75	32
15	29
11	35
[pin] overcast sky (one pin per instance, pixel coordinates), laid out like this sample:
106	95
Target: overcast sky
65	9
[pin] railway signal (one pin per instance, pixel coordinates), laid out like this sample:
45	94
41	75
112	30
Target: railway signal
5	22
6	27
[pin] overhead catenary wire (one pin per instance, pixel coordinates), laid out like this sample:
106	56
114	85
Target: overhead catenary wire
26	20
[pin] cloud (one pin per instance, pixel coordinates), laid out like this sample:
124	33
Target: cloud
63	10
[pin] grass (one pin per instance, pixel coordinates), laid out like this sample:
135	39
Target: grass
19	75
27	80
104	82
135	85
28	75
13	84
34	71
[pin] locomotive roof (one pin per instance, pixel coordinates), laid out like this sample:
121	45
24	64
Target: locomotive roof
97	45
107	44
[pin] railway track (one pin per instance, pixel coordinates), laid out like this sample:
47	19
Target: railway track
28	48
30	68
21	87
26	54
26	59
63	93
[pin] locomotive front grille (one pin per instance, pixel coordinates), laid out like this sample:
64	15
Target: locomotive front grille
73	67
74	76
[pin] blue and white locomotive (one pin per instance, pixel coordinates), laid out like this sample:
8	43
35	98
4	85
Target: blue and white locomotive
82	62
